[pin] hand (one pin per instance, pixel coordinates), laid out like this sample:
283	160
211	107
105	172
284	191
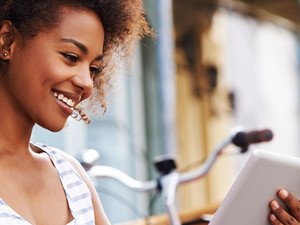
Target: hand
279	216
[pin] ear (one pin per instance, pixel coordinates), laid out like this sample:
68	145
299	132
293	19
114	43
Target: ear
6	39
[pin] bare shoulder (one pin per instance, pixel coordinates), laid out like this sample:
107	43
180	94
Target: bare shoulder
100	216
74	163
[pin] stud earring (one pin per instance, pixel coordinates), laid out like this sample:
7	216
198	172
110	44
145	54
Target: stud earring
5	54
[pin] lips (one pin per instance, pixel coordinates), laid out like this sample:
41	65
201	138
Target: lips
63	98
66	100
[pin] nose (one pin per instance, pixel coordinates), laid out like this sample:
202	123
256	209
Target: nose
83	81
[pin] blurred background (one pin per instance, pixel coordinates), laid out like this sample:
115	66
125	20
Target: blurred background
215	64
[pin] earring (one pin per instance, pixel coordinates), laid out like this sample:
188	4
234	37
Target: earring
5	54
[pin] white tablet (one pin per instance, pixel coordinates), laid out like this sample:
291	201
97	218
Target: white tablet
247	202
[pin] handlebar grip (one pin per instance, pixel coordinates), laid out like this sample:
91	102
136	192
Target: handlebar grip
243	139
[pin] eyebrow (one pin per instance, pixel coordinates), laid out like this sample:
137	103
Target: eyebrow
81	46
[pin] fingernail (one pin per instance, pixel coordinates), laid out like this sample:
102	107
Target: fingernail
284	193
275	205
272	217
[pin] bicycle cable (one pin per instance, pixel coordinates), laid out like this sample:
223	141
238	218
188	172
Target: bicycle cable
199	162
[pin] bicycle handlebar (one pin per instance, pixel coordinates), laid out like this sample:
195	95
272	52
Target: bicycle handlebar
110	172
147	186
241	139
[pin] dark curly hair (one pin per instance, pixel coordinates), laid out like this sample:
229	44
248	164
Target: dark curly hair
123	21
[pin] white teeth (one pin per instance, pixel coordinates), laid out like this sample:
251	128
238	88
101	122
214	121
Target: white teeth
60	96
70	103
66	100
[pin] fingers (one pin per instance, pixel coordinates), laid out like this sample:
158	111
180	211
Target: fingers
291	202
279	216
274	219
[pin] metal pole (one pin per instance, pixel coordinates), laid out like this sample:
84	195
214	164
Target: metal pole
166	75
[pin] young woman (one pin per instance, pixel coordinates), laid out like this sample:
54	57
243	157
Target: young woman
54	54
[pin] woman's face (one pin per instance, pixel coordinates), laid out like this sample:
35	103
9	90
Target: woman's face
54	71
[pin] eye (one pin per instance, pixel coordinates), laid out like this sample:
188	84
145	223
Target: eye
94	71
71	57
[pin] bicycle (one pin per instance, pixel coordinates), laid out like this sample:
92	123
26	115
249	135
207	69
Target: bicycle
169	177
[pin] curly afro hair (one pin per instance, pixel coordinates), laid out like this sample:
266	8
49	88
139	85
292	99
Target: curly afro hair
123	21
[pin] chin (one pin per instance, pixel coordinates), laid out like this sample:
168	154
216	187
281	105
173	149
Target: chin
55	129
53	126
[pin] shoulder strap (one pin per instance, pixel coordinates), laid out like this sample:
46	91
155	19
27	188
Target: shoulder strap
77	192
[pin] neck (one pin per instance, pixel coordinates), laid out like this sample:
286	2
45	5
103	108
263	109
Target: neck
15	126
14	136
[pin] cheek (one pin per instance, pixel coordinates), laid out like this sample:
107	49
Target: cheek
52	73
38	62
52	69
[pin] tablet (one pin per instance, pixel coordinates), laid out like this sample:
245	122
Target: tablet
247	201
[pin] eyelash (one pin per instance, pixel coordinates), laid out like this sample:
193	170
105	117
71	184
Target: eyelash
95	71
71	57
74	59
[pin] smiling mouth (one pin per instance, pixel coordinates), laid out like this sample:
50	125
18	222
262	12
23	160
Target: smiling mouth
64	99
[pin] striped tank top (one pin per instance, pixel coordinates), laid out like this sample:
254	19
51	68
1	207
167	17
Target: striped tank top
77	193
